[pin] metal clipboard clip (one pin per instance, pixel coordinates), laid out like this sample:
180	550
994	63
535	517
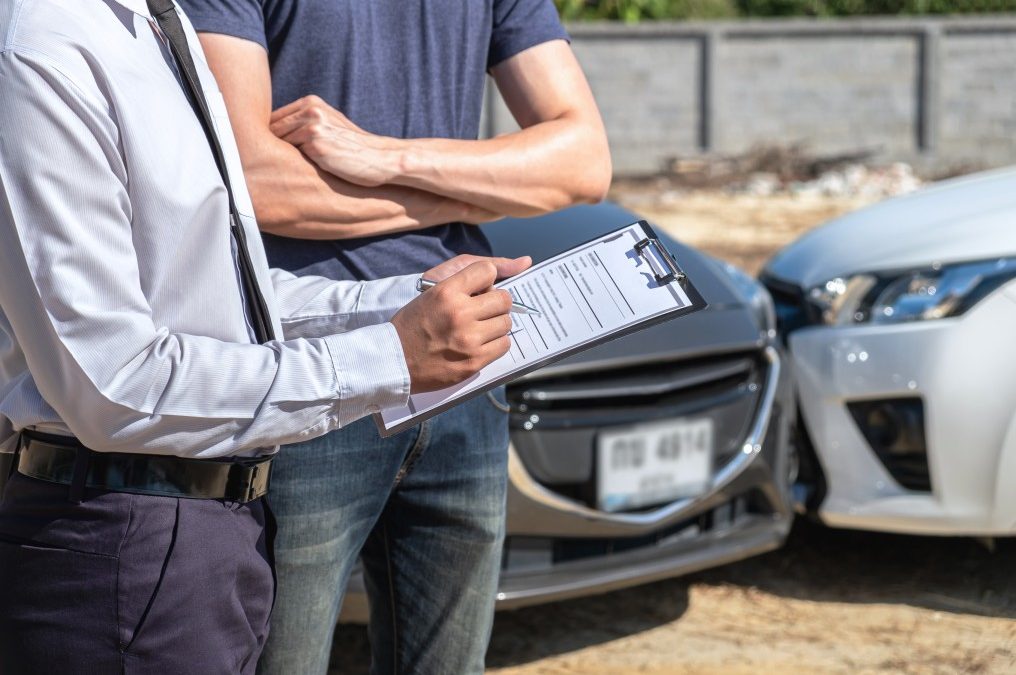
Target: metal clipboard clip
660	261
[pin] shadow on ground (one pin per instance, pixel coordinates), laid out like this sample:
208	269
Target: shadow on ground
951	574
818	564
535	633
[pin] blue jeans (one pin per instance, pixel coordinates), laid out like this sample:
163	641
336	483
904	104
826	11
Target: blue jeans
424	510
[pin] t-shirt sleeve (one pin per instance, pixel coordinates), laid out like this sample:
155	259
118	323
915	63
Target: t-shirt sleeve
521	24
239	18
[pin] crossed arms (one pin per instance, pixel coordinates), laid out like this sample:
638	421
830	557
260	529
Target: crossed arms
313	174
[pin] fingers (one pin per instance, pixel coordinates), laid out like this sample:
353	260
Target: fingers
290	108
305	133
283	126
474	279
300	112
452	266
304	112
491	330
509	267
491	304
506	267
307	105
494	350
301	127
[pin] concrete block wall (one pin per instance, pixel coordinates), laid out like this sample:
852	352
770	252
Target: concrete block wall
936	92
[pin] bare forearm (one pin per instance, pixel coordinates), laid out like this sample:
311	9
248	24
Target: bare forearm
543	168
550	165
294	198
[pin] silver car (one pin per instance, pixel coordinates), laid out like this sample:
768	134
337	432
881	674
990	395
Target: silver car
684	425
899	320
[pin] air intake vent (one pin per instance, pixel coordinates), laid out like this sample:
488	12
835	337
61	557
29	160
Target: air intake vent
894	428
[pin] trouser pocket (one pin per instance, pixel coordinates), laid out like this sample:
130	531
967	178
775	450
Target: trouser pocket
196	586
57	610
144	562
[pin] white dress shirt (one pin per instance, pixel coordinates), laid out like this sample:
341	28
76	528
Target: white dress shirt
121	315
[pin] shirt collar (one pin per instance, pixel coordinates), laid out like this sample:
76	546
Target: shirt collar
136	6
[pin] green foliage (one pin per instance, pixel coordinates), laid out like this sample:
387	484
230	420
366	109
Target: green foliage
869	7
638	10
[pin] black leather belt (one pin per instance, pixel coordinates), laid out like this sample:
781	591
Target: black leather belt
58	459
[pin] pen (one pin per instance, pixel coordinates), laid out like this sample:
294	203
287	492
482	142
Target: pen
517	307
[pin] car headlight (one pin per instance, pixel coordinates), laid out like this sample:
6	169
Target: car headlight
759	300
937	292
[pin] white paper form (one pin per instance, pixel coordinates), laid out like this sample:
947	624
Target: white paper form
585	295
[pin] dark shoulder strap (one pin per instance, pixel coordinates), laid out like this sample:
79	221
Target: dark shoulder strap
165	14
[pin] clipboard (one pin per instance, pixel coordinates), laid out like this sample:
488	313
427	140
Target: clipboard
643	247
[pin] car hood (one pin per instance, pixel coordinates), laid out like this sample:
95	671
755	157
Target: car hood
726	324
969	218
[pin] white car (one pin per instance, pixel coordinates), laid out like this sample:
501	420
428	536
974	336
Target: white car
900	321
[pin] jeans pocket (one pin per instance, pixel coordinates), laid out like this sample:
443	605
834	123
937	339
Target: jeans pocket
498	399
145	557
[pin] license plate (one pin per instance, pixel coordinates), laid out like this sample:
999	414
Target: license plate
653	463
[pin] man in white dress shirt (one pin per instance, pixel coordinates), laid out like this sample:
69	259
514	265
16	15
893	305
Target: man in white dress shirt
151	363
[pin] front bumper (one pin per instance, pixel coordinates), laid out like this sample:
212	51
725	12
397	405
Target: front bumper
559	547
961	371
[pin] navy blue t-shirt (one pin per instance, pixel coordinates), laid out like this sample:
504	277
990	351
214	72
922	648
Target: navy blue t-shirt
402	68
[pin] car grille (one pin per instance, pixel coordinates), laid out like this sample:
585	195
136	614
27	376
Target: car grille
555	421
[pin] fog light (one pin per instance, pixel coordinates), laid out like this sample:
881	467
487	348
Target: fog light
894	428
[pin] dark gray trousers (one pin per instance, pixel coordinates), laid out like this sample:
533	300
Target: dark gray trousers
123	583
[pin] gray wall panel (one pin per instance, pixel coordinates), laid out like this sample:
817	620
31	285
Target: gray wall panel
938	92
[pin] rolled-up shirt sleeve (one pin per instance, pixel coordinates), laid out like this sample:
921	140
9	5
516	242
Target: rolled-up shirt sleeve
71	295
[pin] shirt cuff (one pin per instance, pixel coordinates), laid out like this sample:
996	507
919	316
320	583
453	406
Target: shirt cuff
379	300
371	371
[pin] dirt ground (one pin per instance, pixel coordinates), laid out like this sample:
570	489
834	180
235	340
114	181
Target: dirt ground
831	601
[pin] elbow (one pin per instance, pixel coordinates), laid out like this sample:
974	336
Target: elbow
123	427
591	170
116	431
594	183
598	170
590	181
588	184
581	174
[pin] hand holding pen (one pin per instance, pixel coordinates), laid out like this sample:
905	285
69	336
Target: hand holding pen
452	332
423	284
506	267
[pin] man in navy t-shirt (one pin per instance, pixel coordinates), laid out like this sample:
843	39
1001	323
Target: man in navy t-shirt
357	122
